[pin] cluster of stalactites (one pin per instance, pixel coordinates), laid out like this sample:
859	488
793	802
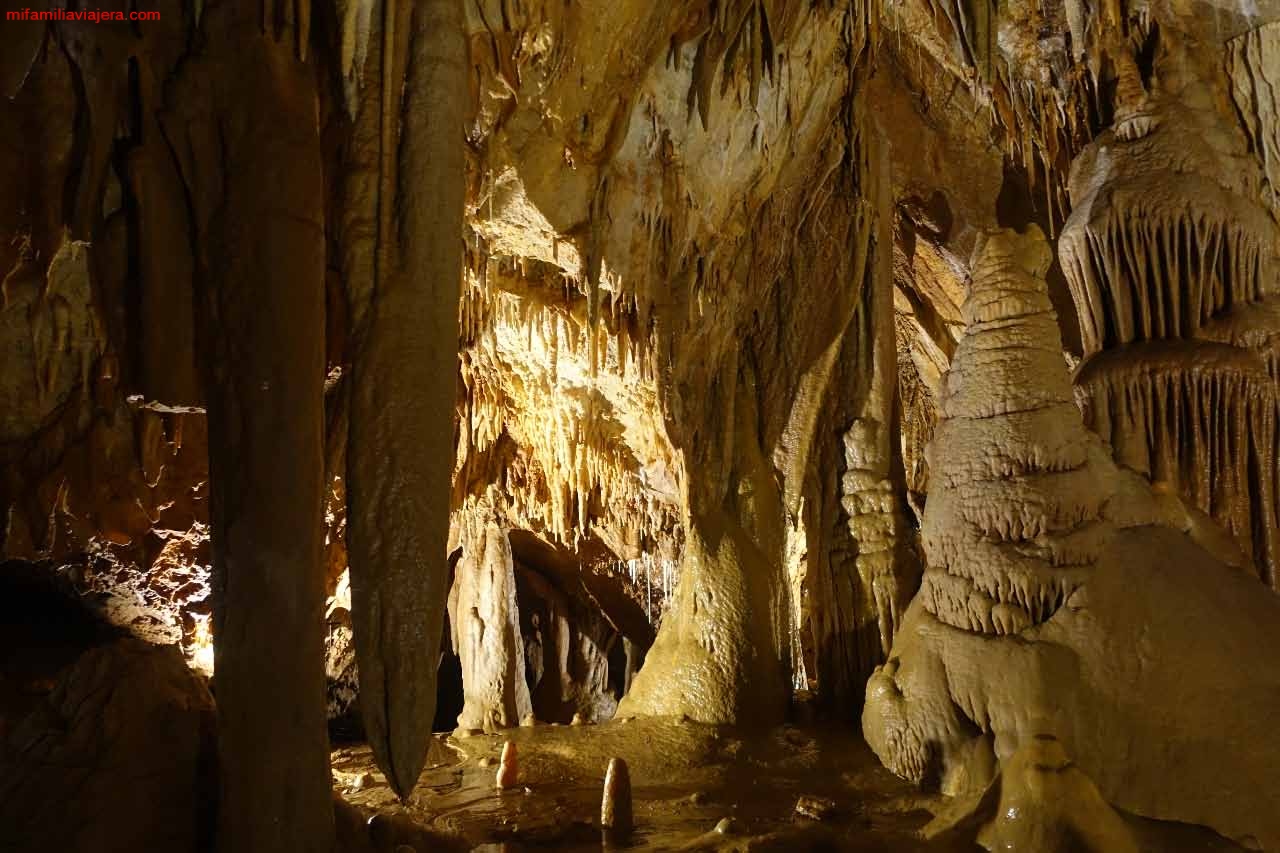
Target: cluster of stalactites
1210	429
570	465
1151	266
1039	123
1014	518
531	373
1171	260
650	578
551	308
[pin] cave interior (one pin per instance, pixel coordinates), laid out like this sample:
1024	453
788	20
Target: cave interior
516	425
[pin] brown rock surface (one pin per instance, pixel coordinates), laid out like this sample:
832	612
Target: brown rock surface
118	756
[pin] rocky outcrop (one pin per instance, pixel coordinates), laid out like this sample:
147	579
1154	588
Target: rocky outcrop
118	756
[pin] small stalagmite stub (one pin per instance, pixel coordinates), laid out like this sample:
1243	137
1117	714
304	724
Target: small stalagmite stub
615	806
508	767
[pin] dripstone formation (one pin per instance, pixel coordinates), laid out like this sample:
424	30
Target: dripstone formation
704	389
1065	598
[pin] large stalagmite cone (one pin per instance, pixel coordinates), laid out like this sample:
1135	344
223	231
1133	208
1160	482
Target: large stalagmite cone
615	806
400	457
1017	480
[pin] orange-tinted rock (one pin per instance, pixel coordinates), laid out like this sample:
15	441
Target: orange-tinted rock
616	817
508	775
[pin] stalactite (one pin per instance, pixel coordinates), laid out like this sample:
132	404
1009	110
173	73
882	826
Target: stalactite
168	295
1168	250
1213	430
400	458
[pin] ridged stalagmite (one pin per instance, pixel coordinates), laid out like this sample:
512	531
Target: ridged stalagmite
1065	597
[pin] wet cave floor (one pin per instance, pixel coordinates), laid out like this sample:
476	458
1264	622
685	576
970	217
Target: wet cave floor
686	778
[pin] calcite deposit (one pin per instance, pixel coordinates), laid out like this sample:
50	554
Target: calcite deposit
1065	598
1170	252
650	381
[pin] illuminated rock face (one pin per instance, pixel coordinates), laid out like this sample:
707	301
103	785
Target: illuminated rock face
1063	597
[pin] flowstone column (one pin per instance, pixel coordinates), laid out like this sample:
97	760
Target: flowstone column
721	655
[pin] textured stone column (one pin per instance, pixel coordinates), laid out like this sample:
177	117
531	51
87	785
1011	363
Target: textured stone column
400	453
486	630
244	127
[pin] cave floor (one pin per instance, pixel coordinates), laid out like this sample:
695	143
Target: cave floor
685	777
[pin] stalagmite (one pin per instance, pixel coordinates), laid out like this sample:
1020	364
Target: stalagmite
1047	804
400	459
508	775
873	484
721	654
486	628
1048	568
615	803
1042	802
998	495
